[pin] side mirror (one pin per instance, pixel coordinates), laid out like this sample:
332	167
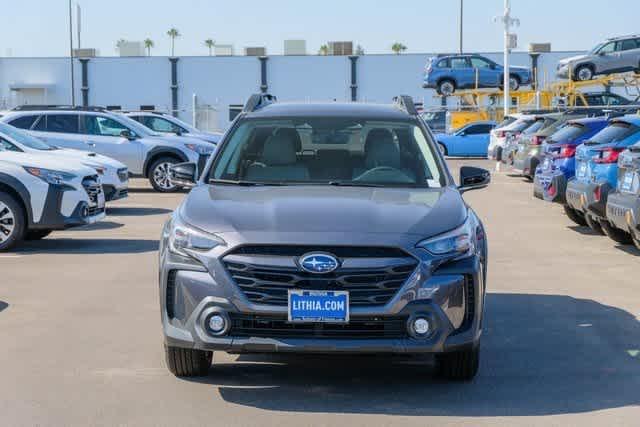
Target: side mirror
127	134
183	174
472	178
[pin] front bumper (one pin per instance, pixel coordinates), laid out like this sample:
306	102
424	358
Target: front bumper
623	211
526	166
64	198
452	299
112	193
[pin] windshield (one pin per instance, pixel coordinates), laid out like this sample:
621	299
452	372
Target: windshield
614	132
535	127
567	133
24	138
597	48
328	151
519	125
506	122
135	126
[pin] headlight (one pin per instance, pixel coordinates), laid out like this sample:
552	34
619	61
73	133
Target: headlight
183	238
457	243
200	149
50	176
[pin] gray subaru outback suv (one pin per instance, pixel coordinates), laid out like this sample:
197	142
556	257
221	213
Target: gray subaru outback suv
324	228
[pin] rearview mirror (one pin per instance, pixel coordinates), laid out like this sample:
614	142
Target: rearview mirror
472	178
127	134
183	174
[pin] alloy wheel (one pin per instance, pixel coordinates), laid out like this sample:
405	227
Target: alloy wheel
584	73
7	222
162	177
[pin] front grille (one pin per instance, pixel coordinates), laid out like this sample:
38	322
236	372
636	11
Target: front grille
123	174
266	273
170	294
93	188
615	211
272	326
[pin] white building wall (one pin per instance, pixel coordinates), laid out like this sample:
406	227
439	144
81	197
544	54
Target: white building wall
223	81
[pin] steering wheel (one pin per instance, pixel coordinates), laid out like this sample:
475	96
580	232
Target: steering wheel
399	175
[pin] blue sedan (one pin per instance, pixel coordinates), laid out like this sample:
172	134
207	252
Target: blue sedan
471	140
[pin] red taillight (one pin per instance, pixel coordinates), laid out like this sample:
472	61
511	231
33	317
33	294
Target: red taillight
607	155
597	193
566	151
537	140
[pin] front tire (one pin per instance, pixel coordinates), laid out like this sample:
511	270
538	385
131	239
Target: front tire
442	148
446	87
459	365
575	216
615	234
188	362
12	222
514	83
583	73
636	241
159	175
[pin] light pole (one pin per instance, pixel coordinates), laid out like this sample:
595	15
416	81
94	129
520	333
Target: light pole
508	22
73	89
460	23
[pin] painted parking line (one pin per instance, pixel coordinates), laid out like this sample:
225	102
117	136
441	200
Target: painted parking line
10	256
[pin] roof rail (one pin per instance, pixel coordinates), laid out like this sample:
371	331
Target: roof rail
405	102
34	107
257	101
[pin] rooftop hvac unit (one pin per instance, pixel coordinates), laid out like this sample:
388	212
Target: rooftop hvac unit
85	53
340	48
131	48
255	51
539	47
295	47
223	50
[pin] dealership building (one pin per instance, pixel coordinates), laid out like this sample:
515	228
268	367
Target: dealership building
210	89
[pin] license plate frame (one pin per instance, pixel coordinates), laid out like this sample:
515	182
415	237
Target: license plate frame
627	181
309	306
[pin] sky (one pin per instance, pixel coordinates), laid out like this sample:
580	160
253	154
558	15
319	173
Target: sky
40	27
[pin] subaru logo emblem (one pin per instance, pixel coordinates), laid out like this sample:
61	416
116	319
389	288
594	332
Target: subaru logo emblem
318	263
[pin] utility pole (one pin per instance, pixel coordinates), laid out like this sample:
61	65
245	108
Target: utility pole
78	22
460	23
73	88
508	22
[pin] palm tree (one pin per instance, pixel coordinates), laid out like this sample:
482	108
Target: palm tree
398	48
148	44
173	33
210	43
324	50
119	44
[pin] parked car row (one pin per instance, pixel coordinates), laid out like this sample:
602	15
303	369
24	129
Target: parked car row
60	165
590	165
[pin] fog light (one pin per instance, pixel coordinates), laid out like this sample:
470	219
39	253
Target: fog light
421	326
217	323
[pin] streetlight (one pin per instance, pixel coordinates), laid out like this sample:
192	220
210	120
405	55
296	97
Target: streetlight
509	42
460	24
73	89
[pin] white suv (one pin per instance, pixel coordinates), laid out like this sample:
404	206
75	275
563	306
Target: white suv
144	152
41	193
167	124
113	174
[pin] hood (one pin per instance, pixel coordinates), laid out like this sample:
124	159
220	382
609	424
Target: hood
180	140
46	161
518	68
420	212
87	158
576	58
213	138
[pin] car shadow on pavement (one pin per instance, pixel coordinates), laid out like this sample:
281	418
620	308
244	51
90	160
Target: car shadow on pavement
541	355
630	249
151	190
136	211
583	229
3	305
102	225
87	246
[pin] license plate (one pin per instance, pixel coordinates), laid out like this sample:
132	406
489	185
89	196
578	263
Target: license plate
318	306
582	169
627	181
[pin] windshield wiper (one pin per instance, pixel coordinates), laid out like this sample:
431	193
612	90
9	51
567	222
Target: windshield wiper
243	183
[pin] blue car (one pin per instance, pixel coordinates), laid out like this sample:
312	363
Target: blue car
471	140
597	173
445	74
558	164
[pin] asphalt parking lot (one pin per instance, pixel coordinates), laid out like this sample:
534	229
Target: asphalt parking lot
81	340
